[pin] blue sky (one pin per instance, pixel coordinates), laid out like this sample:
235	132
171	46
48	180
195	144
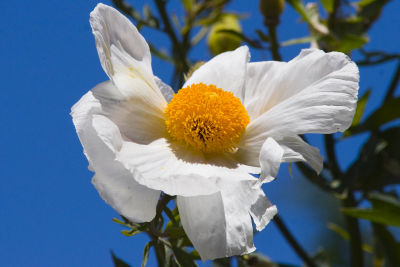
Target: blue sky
51	215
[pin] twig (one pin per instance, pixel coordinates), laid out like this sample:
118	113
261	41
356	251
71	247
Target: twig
292	241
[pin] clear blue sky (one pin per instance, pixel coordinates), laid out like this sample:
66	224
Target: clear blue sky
50	214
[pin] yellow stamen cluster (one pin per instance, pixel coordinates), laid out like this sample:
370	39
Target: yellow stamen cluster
206	118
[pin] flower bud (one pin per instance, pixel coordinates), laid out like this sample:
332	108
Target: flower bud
219	41
271	10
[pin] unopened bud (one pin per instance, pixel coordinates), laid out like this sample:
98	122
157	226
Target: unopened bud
271	10
220	39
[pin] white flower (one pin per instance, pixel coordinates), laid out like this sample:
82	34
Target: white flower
204	144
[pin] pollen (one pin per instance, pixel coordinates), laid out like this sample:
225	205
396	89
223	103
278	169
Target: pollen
206	118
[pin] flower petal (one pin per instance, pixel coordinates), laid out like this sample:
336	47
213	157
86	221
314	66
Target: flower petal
135	119
260	93
262	211
269	83
125	56
165	89
295	149
270	159
101	139
226	70
318	95
219	225
176	170
119	44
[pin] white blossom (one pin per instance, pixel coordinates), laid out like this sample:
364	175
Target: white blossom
121	124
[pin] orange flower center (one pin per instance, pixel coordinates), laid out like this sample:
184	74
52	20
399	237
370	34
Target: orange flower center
206	118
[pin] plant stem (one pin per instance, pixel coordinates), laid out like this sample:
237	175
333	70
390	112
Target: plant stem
356	253
331	156
292	241
181	65
273	39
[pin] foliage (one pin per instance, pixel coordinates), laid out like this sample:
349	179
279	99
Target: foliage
334	25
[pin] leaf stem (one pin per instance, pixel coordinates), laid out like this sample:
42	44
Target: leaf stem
292	241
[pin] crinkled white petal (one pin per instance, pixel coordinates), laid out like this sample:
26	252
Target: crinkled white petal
270	159
262	211
219	225
226	70
177	170
295	149
270	83
101	139
261	92
317	94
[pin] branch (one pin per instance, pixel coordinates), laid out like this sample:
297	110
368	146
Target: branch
292	241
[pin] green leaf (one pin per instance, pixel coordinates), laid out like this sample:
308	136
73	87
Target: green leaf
346	236
328	5
385	210
183	258
188	4
146	253
117	261
350	42
390	248
175	232
309	14
387	112
370	11
131	232
362	102
303	40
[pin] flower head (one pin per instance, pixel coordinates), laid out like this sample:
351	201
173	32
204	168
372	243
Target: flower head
231	119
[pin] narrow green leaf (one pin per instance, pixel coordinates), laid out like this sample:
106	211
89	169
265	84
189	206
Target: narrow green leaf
174	232
131	232
310	15
387	112
328	5
374	215
350	42
384	201
303	40
346	236
362	102
390	248
146	253
188	4
117	261
183	258
385	210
